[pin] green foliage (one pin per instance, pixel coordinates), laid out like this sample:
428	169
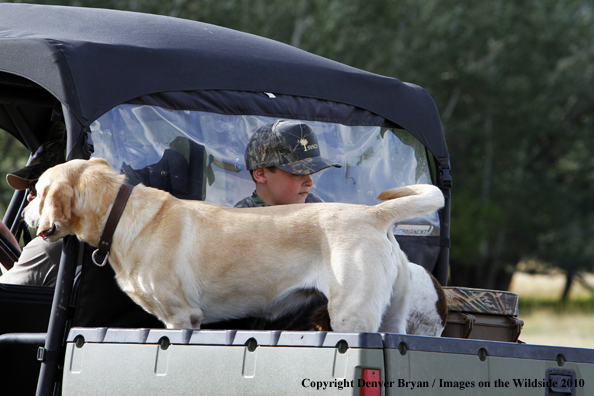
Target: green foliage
581	305
513	81
14	156
508	101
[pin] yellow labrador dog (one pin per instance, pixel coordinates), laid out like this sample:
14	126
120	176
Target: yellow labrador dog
191	262
427	307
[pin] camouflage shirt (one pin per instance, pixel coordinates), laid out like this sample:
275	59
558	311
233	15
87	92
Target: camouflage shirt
255	200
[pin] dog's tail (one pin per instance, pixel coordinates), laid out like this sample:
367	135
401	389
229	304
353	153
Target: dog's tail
407	202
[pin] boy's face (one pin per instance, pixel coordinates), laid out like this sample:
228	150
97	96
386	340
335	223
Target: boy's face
280	188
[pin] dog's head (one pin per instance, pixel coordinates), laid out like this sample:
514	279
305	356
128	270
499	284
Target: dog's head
72	198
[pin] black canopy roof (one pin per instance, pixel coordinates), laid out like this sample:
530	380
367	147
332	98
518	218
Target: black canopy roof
81	62
91	60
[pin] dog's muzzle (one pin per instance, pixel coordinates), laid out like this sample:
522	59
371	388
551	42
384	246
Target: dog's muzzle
49	232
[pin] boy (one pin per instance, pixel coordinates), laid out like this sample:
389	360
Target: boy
281	158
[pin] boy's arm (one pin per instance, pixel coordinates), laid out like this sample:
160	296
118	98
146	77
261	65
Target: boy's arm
6	232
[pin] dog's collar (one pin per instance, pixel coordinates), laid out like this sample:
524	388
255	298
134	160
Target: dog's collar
112	222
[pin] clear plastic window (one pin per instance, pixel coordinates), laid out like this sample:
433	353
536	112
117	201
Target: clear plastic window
200	155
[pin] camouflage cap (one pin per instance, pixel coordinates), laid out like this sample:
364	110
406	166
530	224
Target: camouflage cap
288	145
47	155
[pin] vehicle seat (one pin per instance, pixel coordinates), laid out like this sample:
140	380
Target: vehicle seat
180	171
101	303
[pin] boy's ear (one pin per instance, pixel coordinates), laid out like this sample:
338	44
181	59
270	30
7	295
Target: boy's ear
260	175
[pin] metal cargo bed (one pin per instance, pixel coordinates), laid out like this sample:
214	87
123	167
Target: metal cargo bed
160	362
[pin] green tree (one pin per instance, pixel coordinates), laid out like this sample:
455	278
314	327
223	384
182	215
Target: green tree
14	156
513	81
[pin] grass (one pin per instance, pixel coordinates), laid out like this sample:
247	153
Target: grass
544	327
549	321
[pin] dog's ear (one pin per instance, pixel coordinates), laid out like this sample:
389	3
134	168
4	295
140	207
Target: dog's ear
320	319
55	205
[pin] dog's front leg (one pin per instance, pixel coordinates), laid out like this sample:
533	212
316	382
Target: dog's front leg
184	319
